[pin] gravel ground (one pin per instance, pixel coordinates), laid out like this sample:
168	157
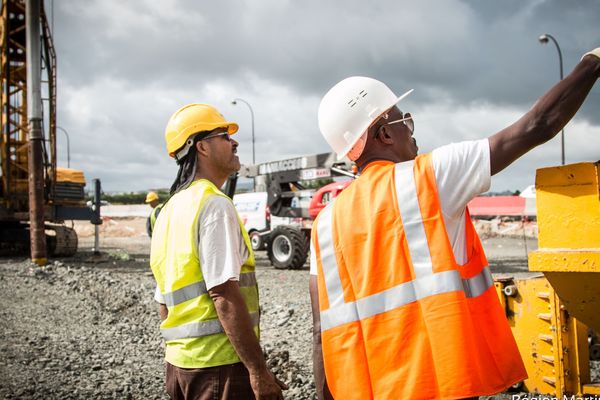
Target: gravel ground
87	328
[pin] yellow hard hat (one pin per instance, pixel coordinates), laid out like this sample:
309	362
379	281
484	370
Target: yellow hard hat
191	119
151	196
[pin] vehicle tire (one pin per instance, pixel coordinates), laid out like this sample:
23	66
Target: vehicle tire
595	352
288	248
64	241
256	240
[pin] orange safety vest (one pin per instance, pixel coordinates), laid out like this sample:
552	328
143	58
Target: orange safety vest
400	319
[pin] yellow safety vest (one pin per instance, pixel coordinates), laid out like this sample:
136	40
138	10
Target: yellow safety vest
154	215
192	331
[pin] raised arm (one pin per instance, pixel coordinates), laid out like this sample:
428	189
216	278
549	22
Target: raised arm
547	116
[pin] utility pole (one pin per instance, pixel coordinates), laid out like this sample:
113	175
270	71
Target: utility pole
544	39
37	233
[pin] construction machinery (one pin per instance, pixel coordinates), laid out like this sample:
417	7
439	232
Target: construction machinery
554	316
288	244
36	196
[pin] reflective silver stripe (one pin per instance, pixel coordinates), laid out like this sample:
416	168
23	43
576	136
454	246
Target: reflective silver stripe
410	211
335	292
478	284
185	293
198	329
197	289
406	293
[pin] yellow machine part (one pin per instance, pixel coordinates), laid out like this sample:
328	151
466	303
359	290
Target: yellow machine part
568	206
553	344
568	218
70	175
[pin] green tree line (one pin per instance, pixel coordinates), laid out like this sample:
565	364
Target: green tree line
133	197
163	195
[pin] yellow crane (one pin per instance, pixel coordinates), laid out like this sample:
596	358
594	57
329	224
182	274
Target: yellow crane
36	196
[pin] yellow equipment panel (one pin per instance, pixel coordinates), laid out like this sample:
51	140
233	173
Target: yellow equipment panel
568	207
70	175
568	218
553	344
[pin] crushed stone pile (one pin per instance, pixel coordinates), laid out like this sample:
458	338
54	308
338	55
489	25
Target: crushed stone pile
89	330
86	327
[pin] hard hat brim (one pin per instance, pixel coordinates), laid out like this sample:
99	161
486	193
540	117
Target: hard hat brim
341	155
232	129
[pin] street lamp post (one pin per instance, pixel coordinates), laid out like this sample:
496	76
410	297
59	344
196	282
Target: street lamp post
68	146
544	39
234	102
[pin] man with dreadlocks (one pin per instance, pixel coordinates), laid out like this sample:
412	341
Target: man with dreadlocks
203	264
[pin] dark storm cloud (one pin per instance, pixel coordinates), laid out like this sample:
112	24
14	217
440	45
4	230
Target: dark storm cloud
125	67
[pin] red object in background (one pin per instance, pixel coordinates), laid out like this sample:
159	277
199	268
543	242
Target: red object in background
497	205
324	195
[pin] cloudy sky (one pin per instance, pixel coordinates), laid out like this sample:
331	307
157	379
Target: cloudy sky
476	67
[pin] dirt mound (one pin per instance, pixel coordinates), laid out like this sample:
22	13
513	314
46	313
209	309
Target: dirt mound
113	227
505	228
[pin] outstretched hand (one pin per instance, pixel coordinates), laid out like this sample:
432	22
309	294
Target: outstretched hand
266	386
595	52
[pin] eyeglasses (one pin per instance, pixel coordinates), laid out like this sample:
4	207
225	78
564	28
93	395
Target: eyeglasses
191	141
406	120
225	135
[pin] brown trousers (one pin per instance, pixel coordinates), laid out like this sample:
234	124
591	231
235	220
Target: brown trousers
214	383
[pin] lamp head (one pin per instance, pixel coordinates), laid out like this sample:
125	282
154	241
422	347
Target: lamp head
543	39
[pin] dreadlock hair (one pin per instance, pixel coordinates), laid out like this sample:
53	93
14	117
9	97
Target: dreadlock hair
187	167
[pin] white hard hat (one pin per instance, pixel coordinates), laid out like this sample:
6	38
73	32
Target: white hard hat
350	107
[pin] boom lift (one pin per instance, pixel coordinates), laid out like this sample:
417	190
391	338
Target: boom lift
63	188
288	245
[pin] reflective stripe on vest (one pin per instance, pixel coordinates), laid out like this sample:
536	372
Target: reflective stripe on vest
198	329
427	283
197	289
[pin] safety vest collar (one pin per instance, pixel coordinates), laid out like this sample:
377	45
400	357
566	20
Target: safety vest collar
374	163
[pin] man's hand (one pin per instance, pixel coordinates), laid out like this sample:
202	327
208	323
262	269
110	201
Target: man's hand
163	311
265	385
548	115
595	52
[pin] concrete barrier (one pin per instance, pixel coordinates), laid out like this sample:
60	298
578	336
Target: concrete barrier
126	210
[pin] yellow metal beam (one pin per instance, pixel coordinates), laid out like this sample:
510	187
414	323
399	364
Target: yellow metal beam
564	260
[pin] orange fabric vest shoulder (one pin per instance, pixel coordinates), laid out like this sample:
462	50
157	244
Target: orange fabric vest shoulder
399	317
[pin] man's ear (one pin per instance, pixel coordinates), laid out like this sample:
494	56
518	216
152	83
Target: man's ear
202	147
385	135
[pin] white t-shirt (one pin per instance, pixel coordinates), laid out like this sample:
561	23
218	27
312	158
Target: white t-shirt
462	171
221	246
